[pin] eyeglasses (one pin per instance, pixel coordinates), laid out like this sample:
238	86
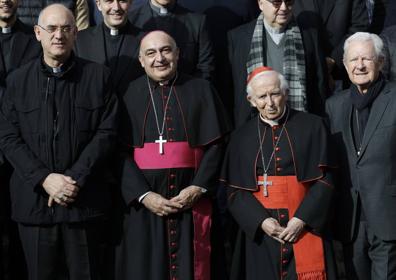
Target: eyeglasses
51	29
278	3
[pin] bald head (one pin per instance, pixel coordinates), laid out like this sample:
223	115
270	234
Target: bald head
159	55
55	10
56	31
156	36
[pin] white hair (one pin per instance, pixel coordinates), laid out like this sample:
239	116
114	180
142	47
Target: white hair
366	37
284	85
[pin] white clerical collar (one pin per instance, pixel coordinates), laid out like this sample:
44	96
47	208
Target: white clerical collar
6	30
273	122
161	10
114	32
275	33
56	70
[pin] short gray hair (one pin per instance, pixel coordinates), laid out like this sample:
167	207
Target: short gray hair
284	85
365	37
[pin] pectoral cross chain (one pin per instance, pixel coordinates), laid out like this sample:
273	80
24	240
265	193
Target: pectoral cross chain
265	183
161	143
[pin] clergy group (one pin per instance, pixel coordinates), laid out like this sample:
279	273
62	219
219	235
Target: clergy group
123	156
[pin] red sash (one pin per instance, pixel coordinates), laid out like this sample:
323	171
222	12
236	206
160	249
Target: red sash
286	192
181	155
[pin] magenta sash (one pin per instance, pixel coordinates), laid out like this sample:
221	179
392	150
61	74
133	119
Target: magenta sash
176	155
181	155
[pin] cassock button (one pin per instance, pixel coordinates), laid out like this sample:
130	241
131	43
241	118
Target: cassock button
173	232
276	137
277	149
172	187
173	244
275	127
278	159
282	216
171	140
284	273
284	250
173	267
173	256
284	261
278	169
172	175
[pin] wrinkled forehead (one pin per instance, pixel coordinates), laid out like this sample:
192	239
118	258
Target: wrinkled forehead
361	47
156	41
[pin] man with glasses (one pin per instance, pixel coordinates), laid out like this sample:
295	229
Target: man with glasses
57	129
289	46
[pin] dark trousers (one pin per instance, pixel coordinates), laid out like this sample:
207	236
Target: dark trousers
370	258
64	251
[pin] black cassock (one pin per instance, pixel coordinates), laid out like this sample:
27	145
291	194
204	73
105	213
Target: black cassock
153	247
302	151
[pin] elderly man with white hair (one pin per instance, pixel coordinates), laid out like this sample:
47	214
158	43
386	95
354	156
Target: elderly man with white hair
363	120
278	172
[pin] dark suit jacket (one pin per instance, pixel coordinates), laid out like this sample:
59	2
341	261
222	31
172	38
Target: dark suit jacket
90	44
191	35
372	175
239	41
389	38
340	19
25	48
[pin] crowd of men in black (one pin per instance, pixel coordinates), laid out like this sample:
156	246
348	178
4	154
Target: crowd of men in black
215	43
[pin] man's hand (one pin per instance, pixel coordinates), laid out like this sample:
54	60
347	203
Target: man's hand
188	196
293	230
160	205
272	228
60	188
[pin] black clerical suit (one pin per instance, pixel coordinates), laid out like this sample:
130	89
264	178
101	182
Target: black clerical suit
302	151
59	123
17	48
366	189
153	247
189	31
118	52
340	20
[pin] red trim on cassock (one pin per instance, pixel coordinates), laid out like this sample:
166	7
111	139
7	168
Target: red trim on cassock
181	155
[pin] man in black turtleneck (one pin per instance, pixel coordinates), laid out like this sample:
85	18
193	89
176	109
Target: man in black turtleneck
187	28
113	43
363	125
58	129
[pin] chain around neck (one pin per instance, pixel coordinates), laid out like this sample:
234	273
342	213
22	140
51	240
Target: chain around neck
160	131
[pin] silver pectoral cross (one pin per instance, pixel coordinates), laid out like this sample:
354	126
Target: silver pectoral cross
161	143
265	183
